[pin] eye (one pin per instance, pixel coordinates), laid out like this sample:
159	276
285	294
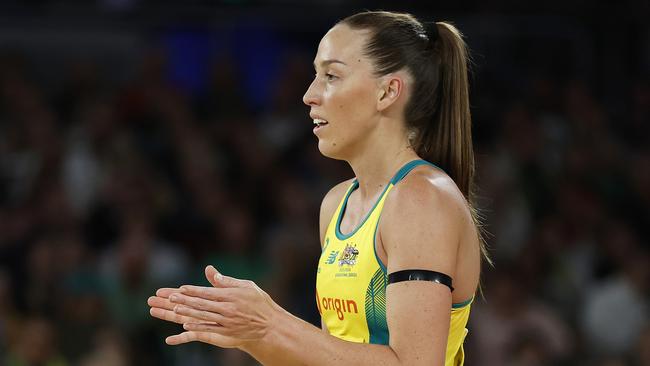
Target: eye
331	77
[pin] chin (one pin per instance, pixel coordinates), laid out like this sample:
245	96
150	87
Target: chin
330	150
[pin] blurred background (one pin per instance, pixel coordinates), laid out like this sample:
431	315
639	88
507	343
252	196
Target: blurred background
141	140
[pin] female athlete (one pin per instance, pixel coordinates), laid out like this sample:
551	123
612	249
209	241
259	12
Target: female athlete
401	251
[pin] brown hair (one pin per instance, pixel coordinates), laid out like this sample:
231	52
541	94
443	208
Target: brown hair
437	113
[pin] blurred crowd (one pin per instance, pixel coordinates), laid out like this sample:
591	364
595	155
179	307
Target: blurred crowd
108	192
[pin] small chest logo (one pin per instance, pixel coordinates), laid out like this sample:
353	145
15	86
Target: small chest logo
331	258
349	256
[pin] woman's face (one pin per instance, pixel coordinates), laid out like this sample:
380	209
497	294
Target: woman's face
343	94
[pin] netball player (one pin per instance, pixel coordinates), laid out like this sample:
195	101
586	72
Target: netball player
401	252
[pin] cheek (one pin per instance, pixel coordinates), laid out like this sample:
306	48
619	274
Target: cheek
351	104
349	108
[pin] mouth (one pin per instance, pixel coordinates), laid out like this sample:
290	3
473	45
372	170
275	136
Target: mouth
319	123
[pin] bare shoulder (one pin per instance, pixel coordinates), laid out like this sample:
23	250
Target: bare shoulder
330	203
425	190
423	220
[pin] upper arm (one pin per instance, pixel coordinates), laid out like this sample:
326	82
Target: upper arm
328	206
420	229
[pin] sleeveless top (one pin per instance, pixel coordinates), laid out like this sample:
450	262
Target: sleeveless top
351	281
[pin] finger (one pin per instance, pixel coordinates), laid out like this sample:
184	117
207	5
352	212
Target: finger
198	303
184	337
191	336
198	314
204	327
171	316
160	302
166	291
208	293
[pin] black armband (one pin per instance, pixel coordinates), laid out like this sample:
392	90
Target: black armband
420	275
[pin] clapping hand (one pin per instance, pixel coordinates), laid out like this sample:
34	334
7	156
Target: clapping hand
230	314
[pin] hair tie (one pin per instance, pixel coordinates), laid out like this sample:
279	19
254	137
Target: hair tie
431	29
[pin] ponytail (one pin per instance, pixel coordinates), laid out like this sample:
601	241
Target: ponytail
447	139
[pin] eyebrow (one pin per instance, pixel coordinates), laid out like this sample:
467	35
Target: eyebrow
329	62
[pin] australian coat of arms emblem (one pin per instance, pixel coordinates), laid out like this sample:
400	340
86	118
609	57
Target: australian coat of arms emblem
349	256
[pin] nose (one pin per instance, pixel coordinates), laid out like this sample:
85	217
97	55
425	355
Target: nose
311	97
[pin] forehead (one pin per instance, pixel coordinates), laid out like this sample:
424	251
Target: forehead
344	44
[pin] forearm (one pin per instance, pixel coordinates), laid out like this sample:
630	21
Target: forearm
292	341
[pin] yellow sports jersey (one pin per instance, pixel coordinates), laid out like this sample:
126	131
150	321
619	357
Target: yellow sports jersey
351	281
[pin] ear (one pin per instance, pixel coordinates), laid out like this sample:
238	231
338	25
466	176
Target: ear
390	88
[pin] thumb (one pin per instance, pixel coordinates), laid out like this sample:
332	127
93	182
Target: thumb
220	281
210	274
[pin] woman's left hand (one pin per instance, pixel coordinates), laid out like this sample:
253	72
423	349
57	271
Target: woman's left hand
231	314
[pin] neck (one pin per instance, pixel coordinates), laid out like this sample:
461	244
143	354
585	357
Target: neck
380	160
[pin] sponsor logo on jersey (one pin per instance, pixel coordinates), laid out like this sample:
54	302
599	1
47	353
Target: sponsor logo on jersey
340	306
